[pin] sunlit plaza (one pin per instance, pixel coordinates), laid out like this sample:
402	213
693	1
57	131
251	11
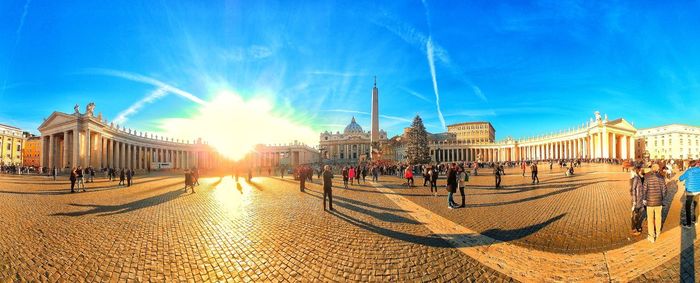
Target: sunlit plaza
361	141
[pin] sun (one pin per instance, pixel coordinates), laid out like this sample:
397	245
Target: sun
234	125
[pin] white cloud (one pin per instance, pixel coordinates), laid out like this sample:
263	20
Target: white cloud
134	108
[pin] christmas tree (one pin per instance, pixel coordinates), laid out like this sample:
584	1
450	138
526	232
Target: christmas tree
417	151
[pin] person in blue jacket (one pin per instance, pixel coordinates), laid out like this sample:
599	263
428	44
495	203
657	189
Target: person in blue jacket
691	179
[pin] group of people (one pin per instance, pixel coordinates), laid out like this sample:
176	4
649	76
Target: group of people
192	179
79	176
648	193
353	174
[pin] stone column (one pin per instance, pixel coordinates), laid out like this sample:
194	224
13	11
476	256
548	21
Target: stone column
76	148
614	146
88	148
623	147
605	144
632	154
100	158
66	149
51	150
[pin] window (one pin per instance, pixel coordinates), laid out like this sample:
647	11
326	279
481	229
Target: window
19	147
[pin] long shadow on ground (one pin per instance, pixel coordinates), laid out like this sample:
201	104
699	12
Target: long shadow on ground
106	210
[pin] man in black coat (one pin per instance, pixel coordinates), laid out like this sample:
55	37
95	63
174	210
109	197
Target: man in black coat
302	179
327	187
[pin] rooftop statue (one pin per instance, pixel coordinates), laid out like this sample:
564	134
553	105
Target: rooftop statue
77	109
90	109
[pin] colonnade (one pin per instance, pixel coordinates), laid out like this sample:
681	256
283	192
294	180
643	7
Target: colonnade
600	144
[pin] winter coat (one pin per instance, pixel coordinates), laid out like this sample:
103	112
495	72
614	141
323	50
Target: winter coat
637	191
691	177
654	189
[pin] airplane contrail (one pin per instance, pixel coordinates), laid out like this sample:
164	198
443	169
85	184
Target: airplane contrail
431	63
148	80
134	108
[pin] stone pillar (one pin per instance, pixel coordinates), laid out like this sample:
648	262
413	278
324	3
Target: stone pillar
76	148
623	147
613	145
605	144
88	148
633	153
51	150
100	156
66	149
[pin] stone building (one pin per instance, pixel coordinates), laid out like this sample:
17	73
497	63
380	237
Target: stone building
82	139
599	138
276	155
31	153
473	132
674	141
351	146
11	143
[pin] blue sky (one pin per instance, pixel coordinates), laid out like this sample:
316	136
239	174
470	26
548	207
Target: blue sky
527	67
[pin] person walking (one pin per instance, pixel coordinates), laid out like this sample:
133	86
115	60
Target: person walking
73	177
691	180
637	192
195	177
451	186
497	174
54	172
461	179
81	178
533	169
654	192
327	187
426	176
129	175
302	179
364	174
375	174
92	175
351	175
408	174
189	181
434	174
122	177
522	167
346	176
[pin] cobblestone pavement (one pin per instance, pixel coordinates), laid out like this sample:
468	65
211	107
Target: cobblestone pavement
587	212
263	231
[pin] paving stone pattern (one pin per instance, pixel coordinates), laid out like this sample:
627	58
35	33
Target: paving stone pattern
266	230
588	212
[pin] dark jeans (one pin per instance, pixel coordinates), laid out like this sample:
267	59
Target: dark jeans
426	180
327	192
72	185
302	184
498	181
464	197
534	177
433	186
637	219
689	217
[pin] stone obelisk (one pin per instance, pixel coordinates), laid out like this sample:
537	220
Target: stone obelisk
374	134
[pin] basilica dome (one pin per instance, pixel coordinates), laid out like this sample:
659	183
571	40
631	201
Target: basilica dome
353	128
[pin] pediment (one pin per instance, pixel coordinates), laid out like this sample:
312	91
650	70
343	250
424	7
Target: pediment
622	124
56	118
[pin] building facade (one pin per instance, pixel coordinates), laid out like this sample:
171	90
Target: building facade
31	153
351	146
473	132
675	141
11	143
290	155
82	139
599	138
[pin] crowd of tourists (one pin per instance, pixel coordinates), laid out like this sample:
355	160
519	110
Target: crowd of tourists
648	191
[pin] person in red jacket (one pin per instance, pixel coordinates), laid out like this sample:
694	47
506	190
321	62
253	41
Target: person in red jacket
408	174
